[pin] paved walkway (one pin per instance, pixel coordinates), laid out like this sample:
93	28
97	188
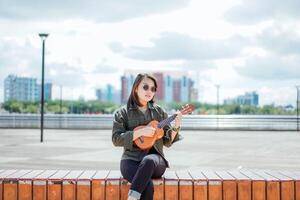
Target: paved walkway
93	149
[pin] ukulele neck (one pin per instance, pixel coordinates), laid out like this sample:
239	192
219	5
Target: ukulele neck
164	122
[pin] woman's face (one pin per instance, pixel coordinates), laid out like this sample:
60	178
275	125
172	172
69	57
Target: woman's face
145	91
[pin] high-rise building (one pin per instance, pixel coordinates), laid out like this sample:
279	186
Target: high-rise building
99	94
184	88
20	88
124	89
25	89
176	90
168	83
249	98
109	94
127	82
160	83
172	86
47	91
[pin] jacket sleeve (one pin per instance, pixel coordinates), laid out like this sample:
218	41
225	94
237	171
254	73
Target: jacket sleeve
167	138
121	136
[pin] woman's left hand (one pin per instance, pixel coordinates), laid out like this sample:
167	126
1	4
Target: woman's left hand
178	119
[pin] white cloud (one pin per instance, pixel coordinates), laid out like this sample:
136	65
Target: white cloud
271	68
283	42
95	10
88	49
255	11
174	46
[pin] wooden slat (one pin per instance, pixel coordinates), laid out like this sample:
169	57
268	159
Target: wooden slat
40	185
158	189
297	185
258	186
273	185
69	185
214	185
185	185
84	185
296	177
1	190
287	185
25	184
54	185
244	185
10	185
15	176
98	185
200	185
4	174
229	185
171	185
113	186
205	185
125	186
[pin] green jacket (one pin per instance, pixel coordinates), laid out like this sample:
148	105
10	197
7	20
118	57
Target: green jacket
127	118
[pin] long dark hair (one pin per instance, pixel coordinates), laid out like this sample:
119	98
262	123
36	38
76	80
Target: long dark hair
133	99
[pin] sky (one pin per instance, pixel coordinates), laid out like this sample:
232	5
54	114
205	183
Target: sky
241	45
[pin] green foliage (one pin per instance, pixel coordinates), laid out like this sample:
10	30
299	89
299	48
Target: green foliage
99	107
31	109
13	106
234	109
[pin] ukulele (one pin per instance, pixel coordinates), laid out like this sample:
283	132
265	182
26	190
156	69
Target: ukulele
145	143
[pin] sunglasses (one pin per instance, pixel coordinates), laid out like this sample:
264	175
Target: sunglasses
146	88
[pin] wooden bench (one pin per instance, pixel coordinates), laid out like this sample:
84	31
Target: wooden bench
183	185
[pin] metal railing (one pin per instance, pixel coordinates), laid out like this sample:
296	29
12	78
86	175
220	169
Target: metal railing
189	122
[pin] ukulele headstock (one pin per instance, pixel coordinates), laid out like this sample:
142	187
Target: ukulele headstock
188	108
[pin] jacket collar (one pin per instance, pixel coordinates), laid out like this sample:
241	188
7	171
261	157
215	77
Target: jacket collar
149	105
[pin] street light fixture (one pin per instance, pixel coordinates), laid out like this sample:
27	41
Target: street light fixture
43	36
297	106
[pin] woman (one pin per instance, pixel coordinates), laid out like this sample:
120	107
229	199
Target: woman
139	166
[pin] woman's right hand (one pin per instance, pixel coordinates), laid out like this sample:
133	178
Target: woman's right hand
147	131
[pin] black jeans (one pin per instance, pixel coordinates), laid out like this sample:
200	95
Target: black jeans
139	174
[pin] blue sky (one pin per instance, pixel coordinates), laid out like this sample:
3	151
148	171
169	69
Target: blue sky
243	45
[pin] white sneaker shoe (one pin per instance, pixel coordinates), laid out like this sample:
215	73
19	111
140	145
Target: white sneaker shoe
131	198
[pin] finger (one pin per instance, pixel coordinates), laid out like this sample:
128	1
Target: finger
150	128
148	135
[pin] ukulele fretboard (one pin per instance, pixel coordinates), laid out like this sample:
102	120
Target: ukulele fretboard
164	122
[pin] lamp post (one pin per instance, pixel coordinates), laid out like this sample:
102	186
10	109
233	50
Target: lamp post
43	36
60	104
60	108
297	106
218	89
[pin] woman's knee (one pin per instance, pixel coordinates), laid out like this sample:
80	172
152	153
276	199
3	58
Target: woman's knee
149	161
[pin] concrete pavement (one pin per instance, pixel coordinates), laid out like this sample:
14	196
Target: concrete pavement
93	149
